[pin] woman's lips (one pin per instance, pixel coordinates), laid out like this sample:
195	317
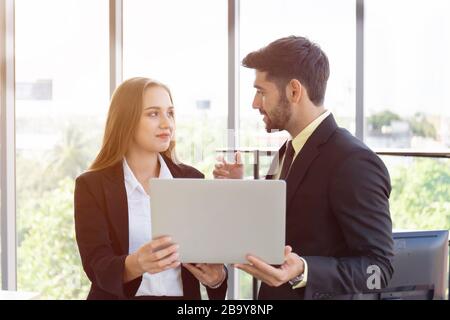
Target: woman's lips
164	136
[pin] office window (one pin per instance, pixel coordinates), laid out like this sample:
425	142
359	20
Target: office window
331	24
420	197
62	83
262	21
1	196
407	101
184	45
62	98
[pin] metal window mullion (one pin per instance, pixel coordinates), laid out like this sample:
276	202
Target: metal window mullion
233	74
8	147
115	44
359	112
233	111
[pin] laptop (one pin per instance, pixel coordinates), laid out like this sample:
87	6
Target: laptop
221	221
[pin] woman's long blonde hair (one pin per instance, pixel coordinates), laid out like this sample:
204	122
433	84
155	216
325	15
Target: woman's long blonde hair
123	118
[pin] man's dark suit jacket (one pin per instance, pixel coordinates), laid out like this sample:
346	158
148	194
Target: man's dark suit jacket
101	225
337	216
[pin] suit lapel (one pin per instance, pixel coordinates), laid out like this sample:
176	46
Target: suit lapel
299	168
117	203
307	154
305	158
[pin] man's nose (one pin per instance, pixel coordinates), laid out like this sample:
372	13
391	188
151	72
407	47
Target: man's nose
256	103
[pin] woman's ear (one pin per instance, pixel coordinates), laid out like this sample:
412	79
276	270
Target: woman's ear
294	91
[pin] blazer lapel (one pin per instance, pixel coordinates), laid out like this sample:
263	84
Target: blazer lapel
174	169
117	203
309	152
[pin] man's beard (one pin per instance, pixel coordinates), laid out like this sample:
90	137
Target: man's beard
279	116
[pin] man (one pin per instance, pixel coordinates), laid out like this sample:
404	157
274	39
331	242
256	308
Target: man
338	226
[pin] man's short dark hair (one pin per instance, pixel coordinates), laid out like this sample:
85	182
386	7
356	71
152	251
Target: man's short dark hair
293	58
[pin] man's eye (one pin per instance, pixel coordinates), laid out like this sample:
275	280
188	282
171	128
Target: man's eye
171	114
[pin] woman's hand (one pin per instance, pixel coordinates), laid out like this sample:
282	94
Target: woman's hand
153	257
211	275
158	255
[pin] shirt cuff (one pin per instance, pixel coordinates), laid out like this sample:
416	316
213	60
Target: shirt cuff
302	283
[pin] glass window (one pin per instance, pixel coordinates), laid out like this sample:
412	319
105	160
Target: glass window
185	48
331	24
420	197
62	96
263	21
407	101
1	197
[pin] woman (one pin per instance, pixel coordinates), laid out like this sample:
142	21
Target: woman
112	206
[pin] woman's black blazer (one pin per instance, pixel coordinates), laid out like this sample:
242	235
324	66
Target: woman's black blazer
101	225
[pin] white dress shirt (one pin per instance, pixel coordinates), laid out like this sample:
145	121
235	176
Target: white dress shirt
166	283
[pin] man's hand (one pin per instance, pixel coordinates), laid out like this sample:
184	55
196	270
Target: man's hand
292	267
225	170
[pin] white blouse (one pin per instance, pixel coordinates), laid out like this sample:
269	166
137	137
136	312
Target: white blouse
166	283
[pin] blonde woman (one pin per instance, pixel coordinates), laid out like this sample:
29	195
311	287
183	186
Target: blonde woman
112	206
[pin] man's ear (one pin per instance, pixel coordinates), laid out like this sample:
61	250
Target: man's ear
294	91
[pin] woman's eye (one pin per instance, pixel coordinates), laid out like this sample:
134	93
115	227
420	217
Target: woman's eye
153	114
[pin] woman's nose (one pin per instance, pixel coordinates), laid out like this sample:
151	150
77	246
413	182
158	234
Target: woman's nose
165	122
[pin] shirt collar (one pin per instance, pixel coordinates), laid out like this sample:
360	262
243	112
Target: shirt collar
299	141
132	183
164	172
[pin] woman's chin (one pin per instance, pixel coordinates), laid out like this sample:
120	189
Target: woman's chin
163	147
159	147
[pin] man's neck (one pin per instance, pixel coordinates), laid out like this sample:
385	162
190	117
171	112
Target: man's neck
305	116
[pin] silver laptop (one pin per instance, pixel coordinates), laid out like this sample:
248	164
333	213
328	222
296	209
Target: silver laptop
221	221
